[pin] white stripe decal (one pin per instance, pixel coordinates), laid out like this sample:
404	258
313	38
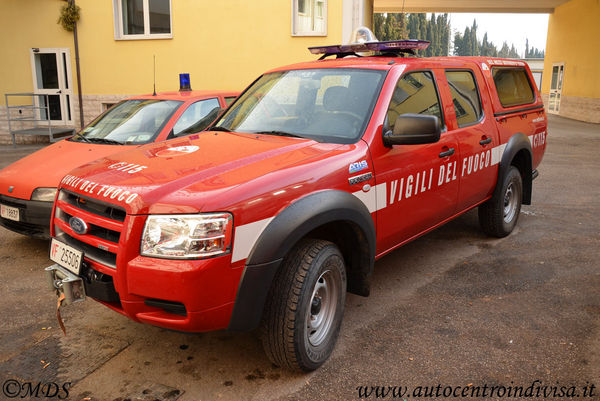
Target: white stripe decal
369	198
381	192
245	238
374	199
497	154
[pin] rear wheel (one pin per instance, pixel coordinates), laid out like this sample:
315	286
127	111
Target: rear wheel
305	306
498	216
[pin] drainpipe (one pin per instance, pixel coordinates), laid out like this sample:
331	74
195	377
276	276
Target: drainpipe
80	97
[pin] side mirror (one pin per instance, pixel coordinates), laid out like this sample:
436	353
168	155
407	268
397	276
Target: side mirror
413	129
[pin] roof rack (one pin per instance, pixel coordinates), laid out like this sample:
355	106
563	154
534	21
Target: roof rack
390	48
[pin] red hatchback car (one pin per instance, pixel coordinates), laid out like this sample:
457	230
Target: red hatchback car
28	186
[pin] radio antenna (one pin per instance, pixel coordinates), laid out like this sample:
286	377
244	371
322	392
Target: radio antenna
154	79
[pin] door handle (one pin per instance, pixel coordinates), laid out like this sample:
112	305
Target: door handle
59	92
447	153
485	141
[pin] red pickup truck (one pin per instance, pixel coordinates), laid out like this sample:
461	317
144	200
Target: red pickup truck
317	170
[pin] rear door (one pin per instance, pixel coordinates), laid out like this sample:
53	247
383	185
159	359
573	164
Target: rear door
519	107
475	129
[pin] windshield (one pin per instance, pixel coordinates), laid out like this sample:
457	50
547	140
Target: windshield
327	105
131	122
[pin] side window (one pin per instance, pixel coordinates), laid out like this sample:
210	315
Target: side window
142	19
309	17
197	117
513	86
415	93
465	97
229	100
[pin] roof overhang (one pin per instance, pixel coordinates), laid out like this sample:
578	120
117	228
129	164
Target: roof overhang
467	6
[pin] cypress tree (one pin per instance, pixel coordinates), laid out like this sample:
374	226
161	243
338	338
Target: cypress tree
474	42
378	25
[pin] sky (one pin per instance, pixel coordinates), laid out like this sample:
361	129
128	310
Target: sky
512	28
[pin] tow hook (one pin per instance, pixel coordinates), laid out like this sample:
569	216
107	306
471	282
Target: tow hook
63	281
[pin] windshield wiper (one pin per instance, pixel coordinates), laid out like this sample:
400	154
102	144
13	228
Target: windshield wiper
105	140
81	137
218	129
279	133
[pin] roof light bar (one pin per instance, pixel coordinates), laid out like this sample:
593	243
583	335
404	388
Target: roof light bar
391	45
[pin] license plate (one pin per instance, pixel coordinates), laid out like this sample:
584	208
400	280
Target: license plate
66	256
10	213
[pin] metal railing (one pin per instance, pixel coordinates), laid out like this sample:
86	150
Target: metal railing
40	112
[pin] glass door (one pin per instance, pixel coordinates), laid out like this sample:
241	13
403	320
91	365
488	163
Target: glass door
558	70
52	76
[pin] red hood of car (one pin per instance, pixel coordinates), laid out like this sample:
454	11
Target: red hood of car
182	175
47	166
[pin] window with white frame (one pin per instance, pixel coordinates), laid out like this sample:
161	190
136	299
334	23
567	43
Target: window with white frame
142	19
309	17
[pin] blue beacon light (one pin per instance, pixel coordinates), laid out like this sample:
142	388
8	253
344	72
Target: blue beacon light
184	82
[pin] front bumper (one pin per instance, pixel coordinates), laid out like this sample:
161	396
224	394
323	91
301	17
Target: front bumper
183	295
194	295
34	217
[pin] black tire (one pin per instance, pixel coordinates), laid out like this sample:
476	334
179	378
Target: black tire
310	287
498	216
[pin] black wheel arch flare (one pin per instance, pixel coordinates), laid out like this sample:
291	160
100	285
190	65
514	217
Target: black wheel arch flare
301	218
517	152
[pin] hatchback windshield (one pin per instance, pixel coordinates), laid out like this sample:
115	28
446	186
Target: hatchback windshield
132	122
327	105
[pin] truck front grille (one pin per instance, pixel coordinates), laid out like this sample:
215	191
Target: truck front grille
105	222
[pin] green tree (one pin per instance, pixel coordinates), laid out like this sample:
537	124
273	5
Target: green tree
414	26
444	34
378	25
390	31
474	42
504	50
402	26
395	26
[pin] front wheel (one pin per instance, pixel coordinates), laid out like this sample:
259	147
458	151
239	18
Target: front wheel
305	305
498	216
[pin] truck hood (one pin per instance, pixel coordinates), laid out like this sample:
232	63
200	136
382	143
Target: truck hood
47	166
181	175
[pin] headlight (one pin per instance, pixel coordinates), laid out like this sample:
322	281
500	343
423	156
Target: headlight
43	194
190	236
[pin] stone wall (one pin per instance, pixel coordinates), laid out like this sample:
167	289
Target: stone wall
578	108
93	105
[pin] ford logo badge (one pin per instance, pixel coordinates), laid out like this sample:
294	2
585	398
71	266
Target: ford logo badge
79	226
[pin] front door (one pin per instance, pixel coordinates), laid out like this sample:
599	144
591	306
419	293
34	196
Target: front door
421	181
558	70
52	77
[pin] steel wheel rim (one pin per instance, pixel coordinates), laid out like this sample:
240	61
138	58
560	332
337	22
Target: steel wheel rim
319	320
510	203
